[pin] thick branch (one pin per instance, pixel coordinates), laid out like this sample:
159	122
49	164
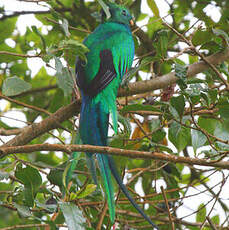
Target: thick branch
4	151
170	78
32	131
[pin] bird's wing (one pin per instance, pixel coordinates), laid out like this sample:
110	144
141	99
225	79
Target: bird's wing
115	56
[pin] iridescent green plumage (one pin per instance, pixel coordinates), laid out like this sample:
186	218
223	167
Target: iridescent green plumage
111	53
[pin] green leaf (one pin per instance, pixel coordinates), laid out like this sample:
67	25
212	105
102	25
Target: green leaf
153	6
105	8
178	103
141	17
37	32
64	26
126	124
198	139
201	214
208	124
181	74
174	112
49	207
55	175
31	179
76	44
155	124
179	136
73	216
8	27
90	188
202	37
154	25
223	107
161	43
222	34
64	77
14	85
222	130
4	175
55	14
215	219
74	47
158	136
23	211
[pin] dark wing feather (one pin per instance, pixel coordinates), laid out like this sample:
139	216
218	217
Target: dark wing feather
104	76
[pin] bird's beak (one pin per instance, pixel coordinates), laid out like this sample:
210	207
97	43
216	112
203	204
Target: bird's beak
131	22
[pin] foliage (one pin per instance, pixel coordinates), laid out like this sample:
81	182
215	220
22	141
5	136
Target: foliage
190	118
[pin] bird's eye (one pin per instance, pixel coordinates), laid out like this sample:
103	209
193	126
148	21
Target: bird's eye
124	12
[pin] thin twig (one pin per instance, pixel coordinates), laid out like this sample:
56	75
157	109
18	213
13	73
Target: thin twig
27	226
70	27
211	223
20	55
102	215
167	206
4	151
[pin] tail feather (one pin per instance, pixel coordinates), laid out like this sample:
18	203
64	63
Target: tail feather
107	183
91	166
118	179
94	121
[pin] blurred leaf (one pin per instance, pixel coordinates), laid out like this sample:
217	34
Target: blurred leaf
73	216
161	42
48	207
208	124
64	26
10	23
201	37
3	175
105	8
36	31
179	136
153	7
31	179
55	175
158	136
178	103
181	74
201	214
223	107
64	78
215	219
126	124
222	34
23	211
198	139
154	25
13	86
90	188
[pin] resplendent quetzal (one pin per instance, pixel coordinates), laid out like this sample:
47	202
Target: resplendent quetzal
111	53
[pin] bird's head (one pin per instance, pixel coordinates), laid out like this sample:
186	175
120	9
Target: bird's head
119	14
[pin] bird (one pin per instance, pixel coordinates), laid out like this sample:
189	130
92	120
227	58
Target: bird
110	56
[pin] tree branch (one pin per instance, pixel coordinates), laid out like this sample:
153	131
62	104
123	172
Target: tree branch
170	78
32	131
4	151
